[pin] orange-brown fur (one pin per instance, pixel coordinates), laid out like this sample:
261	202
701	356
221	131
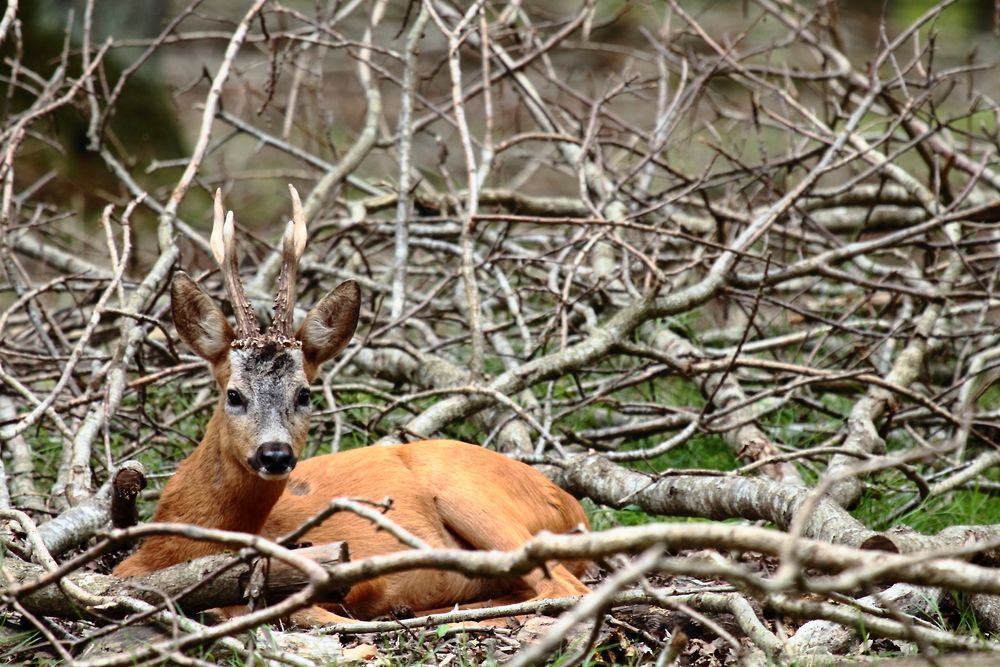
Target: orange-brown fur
447	493
450	494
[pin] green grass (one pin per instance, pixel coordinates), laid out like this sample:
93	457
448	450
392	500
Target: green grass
990	399
959	507
15	641
964	620
890	490
603	518
962	18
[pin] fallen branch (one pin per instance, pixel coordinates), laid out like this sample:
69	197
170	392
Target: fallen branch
204	583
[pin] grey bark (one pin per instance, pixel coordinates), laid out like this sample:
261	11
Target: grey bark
186	583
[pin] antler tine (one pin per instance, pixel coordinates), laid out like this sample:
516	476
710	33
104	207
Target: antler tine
224	248
218	246
293	243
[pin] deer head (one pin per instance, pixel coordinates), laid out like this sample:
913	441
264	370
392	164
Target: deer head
264	377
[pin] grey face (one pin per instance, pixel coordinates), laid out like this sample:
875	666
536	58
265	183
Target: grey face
267	402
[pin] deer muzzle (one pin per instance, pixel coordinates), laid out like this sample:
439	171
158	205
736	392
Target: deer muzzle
273	460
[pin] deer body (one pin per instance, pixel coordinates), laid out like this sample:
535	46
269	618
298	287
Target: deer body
244	475
447	493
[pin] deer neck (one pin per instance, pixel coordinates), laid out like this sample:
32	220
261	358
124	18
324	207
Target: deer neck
210	489
213	490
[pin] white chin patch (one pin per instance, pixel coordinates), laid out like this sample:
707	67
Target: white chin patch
271	476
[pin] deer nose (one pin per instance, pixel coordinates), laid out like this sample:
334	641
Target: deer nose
274	458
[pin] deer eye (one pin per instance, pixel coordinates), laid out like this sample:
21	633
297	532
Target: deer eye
302	398
234	399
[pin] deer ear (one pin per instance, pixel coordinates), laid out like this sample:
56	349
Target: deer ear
329	326
199	322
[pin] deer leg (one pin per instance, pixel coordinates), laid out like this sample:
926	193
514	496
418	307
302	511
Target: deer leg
315	616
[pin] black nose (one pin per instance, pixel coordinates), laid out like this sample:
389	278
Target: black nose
275	458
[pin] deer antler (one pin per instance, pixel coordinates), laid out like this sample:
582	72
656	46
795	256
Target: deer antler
293	243
224	249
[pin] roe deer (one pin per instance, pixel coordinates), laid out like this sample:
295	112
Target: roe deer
243	475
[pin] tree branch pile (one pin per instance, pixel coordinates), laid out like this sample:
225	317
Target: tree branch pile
742	271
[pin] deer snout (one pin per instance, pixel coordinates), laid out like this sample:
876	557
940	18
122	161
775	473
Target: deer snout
273	458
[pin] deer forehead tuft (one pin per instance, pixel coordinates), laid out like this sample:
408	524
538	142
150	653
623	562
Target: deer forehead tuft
270	364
